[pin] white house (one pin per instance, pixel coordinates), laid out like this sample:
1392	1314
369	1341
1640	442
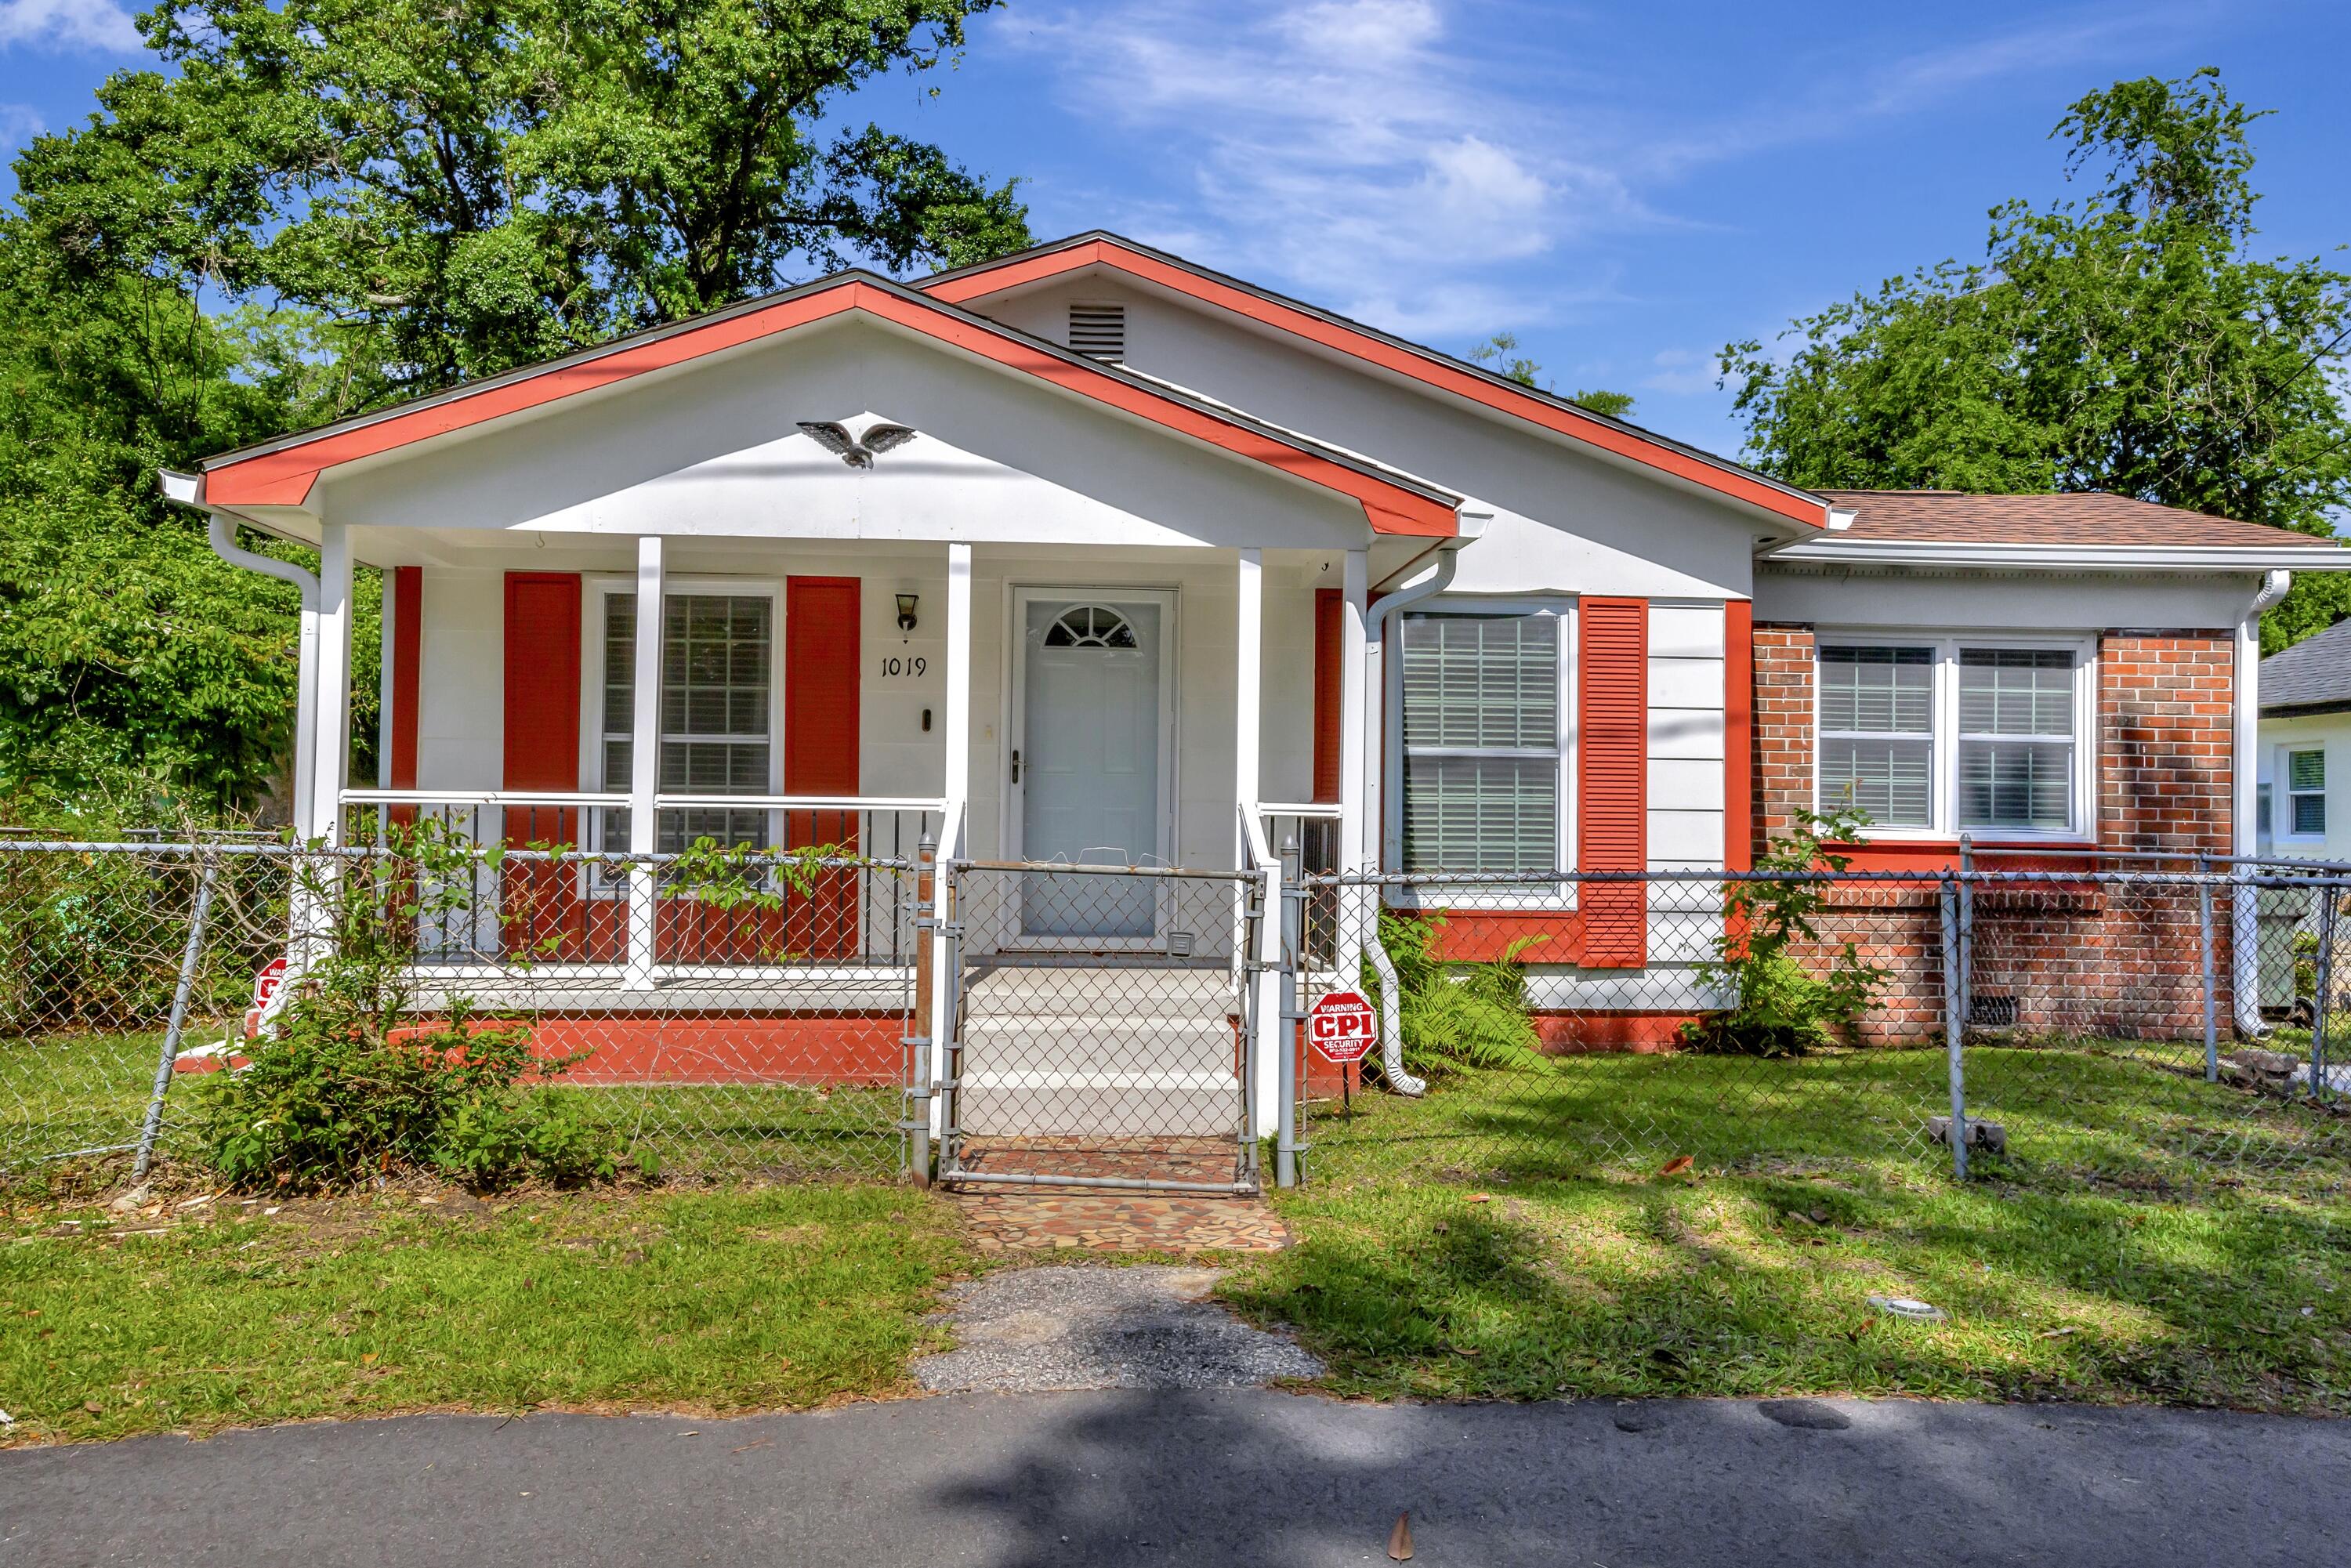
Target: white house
1171	566
2305	748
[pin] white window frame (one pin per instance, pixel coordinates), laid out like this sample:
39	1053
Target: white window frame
1943	778
1529	896
2286	792
599	589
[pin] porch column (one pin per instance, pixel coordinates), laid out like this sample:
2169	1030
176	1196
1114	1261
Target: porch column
1248	669
645	762
1357	835
955	737
1248	656
332	748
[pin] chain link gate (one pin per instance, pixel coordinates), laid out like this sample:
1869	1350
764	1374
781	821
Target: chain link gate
1103	1028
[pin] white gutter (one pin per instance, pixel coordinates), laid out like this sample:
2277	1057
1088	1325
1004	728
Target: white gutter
187	490
2245	755
2065	558
1374	823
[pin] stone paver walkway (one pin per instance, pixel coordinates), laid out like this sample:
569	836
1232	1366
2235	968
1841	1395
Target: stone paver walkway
1119	1222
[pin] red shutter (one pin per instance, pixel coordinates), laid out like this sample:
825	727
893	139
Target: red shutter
1738	734
1330	611
542	752
823	660
407	660
1612	776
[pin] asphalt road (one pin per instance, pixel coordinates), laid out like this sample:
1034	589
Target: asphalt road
1227	1476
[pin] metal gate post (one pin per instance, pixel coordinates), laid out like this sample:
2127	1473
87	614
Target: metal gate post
1249	890
1955	1025
151	1127
2211	990
2329	893
915	1121
1292	916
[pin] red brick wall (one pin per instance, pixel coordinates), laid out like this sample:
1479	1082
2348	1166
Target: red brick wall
2075	959
2165	712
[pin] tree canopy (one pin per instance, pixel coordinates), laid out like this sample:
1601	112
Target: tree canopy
320	206
2131	341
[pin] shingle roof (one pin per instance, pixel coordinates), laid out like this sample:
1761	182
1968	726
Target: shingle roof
2314	673
2084	518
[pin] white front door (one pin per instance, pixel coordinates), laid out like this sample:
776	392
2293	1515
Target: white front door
1091	736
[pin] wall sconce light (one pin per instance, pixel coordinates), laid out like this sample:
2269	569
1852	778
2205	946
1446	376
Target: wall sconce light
906	602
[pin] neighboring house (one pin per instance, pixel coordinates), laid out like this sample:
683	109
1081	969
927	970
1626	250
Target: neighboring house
1170	558
2305	748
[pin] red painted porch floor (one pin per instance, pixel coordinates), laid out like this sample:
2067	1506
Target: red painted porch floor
1066	1219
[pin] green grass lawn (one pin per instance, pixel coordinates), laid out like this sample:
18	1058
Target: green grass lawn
91	1091
2117	1255
221	1315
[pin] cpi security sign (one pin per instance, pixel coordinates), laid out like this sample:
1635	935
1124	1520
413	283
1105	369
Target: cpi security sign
1342	1026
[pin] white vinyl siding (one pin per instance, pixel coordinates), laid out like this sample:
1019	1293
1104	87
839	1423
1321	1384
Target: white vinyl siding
1483	731
1957	733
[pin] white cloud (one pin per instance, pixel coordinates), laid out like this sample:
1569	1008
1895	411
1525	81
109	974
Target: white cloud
18	122
1446	168
1353	149
68	25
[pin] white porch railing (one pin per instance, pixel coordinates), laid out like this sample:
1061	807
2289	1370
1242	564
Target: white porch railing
552	876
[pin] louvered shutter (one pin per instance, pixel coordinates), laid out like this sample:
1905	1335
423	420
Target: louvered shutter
1612	776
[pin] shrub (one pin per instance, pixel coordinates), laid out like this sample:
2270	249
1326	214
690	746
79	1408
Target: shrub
1785	1009
353	1082
1457	1015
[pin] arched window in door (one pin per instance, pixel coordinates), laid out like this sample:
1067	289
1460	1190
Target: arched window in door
1091	626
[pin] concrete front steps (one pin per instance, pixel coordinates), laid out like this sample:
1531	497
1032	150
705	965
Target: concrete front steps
1100	1053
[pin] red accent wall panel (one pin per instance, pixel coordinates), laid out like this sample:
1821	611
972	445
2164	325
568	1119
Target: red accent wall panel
542	752
1330	612
407	663
1740	813
1612	776
823	661
542	681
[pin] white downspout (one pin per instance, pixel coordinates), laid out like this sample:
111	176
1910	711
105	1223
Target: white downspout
1371	851
2245	755
187	490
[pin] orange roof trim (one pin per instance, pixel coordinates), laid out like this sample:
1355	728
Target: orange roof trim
1423	365
282	475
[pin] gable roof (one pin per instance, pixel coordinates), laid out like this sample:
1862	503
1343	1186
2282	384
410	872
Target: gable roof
1442	373
282	471
2083	517
2313	675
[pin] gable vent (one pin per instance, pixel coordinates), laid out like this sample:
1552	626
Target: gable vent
1098	331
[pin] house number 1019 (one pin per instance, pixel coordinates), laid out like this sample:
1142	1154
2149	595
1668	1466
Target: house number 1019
912	665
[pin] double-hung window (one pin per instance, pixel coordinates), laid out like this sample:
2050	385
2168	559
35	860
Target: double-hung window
717	676
2305	793
1483	709
1957	733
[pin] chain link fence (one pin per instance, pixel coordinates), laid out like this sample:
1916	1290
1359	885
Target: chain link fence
740	1012
1104	1028
2076	1027
719	1012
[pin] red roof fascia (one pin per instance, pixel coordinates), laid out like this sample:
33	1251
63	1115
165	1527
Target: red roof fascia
965	286
283	476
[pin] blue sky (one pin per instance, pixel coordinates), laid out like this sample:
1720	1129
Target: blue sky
1625	187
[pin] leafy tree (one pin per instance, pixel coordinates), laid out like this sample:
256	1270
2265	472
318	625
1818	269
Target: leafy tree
320	207
1500	353
2131	341
463	188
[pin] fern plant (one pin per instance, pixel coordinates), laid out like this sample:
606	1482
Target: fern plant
1455	1015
